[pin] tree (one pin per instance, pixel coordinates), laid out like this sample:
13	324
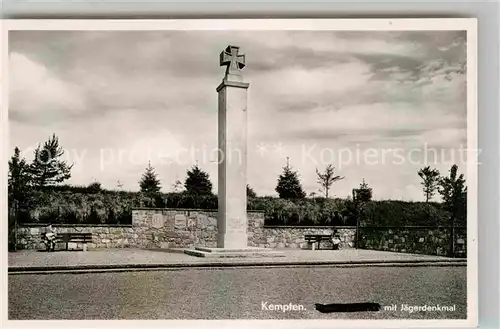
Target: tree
149	183
289	186
19	179
355	207
47	167
454	192
150	188
119	185
327	178
198	182
95	187
250	192
352	212
430	181
177	186
363	193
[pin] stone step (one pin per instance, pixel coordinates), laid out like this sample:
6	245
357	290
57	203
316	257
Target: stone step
233	252
226	250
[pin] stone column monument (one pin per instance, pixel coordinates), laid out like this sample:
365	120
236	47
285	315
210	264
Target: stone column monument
232	215
232	220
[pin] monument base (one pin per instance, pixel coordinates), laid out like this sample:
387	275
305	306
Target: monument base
247	252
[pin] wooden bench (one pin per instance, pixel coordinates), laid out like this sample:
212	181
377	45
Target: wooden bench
66	238
317	238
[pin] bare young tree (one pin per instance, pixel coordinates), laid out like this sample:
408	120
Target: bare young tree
326	179
119	185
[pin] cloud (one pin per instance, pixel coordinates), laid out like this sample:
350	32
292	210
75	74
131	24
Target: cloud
36	91
155	90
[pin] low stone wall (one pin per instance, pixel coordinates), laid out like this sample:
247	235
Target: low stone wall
151	228
416	240
184	228
103	236
294	237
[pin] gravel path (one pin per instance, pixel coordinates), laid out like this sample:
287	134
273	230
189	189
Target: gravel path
235	293
140	256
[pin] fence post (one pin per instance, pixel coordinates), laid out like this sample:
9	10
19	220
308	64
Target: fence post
357	233
16	218
453	238
15	233
358	215
451	252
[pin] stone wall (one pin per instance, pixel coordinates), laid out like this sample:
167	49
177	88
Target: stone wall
151	228
183	228
175	228
416	240
103	236
260	235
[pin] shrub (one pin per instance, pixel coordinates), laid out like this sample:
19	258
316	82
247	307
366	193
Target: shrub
51	205
94	187
400	213
76	208
303	212
191	201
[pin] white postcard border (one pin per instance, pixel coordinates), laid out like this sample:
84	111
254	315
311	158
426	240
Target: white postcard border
424	24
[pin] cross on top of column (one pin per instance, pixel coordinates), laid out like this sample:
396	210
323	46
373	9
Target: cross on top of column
233	61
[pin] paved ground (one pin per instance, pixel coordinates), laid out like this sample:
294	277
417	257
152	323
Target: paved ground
229	293
133	257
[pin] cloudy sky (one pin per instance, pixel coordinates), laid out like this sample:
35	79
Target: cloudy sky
377	105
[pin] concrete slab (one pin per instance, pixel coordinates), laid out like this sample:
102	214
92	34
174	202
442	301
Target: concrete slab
128	259
248	252
246	249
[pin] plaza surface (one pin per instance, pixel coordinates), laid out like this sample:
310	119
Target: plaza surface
168	284
237	293
116	259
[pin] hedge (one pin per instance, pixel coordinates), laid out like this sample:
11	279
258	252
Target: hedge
401	213
64	205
